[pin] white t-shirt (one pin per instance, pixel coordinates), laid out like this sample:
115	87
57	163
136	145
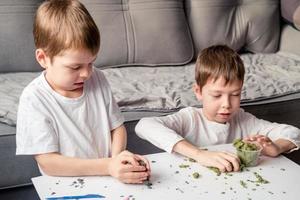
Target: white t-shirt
191	124
76	127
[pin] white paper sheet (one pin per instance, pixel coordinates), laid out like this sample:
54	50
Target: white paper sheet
172	182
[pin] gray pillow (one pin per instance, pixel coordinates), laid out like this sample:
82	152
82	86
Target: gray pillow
249	24
296	18
16	40
141	32
290	11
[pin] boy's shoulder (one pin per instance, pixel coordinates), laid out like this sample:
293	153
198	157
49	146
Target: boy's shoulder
33	87
98	76
97	72
242	116
98	81
241	112
190	110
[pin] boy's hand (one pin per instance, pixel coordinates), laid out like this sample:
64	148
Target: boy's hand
224	161
126	168
269	147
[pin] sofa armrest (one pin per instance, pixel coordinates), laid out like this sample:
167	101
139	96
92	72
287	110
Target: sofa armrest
289	40
15	171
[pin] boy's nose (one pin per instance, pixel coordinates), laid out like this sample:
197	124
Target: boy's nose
85	72
226	102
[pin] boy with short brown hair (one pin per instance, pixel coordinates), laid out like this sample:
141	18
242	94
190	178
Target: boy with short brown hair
67	116
219	79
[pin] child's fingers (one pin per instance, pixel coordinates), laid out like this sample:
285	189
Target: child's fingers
252	138
134	177
145	161
230	161
138	157
266	144
261	139
256	137
247	138
218	165
223	164
264	139
129	159
234	161
133	168
227	165
133	181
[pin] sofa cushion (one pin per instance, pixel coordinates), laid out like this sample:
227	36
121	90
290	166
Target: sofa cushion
11	87
290	40
249	24
143	32
16	40
170	88
290	11
296	18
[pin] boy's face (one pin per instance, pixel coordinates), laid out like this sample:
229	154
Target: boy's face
220	101
68	70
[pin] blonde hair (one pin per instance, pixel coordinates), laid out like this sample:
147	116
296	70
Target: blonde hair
219	61
64	24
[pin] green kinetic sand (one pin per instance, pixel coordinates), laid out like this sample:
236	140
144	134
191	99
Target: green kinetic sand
247	152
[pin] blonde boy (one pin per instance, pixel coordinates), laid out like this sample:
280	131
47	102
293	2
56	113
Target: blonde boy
67	116
219	78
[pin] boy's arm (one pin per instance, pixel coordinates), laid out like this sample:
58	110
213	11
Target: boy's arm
285	137
159	131
54	164
119	140
224	161
164	132
272	148
284	145
168	133
185	148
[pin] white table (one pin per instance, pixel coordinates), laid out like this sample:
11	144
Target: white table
172	182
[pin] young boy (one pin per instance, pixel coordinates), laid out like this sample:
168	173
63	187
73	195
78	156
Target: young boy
67	116
219	79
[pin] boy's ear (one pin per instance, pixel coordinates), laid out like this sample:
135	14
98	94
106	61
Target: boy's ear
197	91
42	58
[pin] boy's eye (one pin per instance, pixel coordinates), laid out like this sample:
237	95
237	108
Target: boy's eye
74	67
216	95
236	94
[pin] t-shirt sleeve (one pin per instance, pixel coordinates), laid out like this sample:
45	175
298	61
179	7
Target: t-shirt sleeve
274	131
164	132
35	132
115	117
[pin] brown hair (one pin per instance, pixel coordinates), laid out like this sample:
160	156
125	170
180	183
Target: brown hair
218	61
64	24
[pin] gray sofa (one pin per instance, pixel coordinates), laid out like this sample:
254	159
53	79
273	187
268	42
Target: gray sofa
148	50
